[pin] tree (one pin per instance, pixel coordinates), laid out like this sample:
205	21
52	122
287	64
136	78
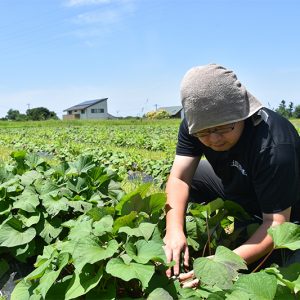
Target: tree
40	114
282	110
290	109
14	115
296	113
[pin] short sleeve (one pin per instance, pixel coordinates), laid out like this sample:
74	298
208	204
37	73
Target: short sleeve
276	178
187	144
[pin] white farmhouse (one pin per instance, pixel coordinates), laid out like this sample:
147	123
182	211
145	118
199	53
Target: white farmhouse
92	109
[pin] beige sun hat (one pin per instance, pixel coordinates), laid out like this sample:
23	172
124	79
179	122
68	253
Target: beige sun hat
212	96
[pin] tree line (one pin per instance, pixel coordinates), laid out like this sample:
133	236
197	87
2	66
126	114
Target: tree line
288	111
33	114
43	113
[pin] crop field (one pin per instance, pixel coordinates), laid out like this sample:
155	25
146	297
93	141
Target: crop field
142	150
74	228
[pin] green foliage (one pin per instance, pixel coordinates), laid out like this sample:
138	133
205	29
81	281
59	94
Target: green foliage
34	114
157	115
128	160
90	240
15	115
296	113
282	109
288	111
40	114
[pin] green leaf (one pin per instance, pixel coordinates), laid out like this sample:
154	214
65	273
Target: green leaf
33	160
129	203
10	237
236	210
160	294
55	206
258	286
23	252
4	267
78	184
214	205
126	220
117	268
83	282
221	270
45	187
5	207
39	271
29	219
286	235
144	230
27	201
87	250
150	250
97	213
133	201
29	177
283	293
48	279
103	226
80	206
21	291
81	229
290	276
49	232
59	288
81	166
154	203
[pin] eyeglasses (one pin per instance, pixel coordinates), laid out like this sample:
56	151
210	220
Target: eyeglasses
217	130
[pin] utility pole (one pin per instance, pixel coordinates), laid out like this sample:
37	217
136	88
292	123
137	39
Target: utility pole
28	105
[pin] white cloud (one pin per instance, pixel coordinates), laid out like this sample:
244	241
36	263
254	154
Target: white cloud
105	17
95	25
73	3
76	3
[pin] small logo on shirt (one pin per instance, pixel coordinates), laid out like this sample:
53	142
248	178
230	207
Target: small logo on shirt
236	164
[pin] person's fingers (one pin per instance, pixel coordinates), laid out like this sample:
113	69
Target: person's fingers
169	257
191	284
185	276
186	258
176	257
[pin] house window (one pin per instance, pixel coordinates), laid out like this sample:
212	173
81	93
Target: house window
82	111
97	110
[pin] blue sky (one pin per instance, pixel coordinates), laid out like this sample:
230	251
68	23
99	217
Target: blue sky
58	53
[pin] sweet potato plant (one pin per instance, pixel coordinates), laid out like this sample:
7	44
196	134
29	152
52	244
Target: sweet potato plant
86	239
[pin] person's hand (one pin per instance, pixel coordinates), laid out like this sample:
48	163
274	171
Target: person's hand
175	244
188	280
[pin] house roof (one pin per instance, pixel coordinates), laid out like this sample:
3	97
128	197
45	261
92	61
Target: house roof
172	110
86	104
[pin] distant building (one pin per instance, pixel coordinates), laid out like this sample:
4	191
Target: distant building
88	110
174	111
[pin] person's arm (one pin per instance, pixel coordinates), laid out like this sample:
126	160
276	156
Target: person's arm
177	190
260	243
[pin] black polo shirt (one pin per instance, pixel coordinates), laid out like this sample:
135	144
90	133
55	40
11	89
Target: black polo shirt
261	171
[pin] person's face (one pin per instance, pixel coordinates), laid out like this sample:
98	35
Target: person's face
221	138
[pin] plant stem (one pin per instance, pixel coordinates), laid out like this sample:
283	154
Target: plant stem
208	236
261	263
